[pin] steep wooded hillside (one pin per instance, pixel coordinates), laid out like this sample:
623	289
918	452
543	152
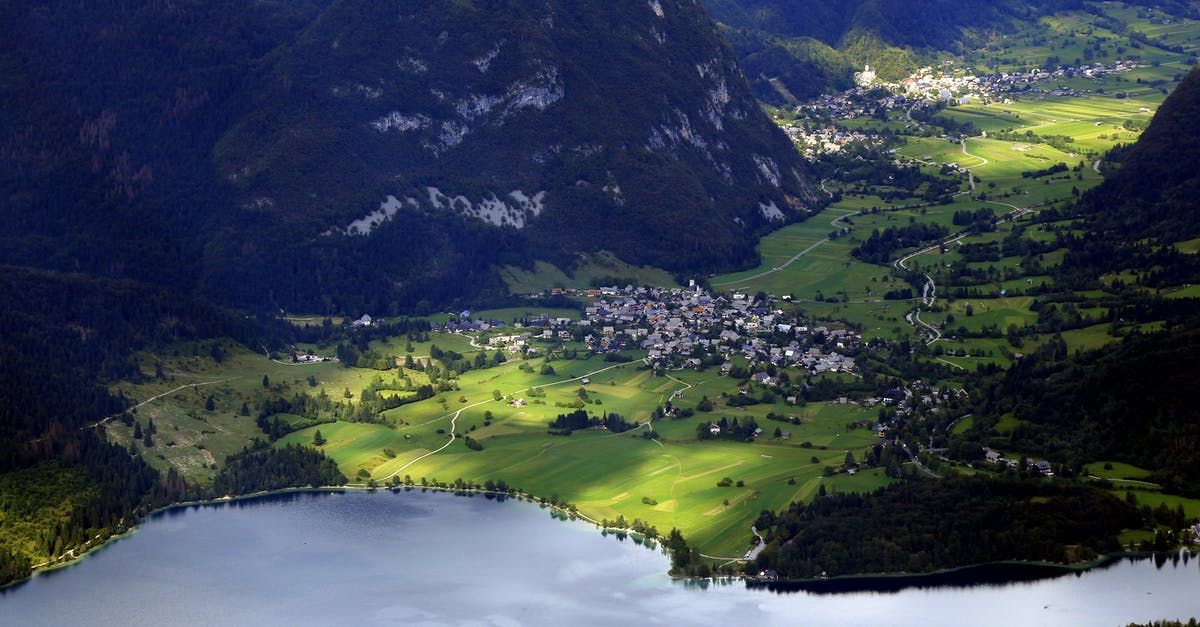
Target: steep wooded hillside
355	156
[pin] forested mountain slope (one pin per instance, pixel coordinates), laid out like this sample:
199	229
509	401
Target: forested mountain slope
1132	400
356	156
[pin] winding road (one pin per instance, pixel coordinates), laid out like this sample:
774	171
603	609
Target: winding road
963	143
918	463
825	190
929	290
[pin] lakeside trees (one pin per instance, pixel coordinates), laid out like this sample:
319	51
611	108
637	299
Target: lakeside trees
262	467
924	526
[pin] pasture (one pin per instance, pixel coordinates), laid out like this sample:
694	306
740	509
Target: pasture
605	474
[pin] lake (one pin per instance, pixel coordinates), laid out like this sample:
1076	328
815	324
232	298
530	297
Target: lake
434	558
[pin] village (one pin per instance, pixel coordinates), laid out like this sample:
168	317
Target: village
826	140
927	87
678	327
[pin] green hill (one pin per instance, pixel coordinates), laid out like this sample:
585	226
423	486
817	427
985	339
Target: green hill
1153	192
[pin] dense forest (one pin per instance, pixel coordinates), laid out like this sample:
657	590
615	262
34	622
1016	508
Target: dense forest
564	424
924	526
1130	401
881	246
265	468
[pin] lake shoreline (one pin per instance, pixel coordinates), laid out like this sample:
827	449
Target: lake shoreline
844	582
933	578
60	563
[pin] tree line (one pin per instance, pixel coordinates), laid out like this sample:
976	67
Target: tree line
924	526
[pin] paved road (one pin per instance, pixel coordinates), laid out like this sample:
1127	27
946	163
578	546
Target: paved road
750	555
918	463
963	143
776	268
929	290
758	548
1145	483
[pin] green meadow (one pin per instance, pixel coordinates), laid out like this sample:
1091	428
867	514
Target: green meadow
1072	37
667	482
605	475
591	268
195	440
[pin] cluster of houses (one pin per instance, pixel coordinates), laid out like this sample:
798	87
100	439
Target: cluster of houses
681	327
928	85
856	102
826	140
991	85
995	457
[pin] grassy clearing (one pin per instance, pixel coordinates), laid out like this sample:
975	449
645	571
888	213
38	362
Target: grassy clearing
1191	246
1191	507
1087	338
191	438
1116	470
593	266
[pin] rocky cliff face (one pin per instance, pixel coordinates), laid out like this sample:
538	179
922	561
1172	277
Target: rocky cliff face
622	125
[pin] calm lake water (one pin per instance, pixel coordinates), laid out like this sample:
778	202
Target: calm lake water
416	558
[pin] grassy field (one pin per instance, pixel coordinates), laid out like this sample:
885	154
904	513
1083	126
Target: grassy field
605	474
1116	470
824	271
193	439
592	266
1191	507
1071	37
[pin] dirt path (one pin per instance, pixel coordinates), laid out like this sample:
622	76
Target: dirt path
789	262
453	416
158	396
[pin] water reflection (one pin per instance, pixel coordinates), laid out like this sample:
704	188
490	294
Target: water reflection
410	555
